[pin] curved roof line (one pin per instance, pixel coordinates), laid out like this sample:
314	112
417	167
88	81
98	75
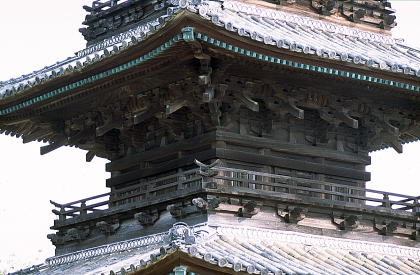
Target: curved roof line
284	30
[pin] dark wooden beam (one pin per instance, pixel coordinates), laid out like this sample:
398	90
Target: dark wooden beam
166	166
89	156
288	163
108	126
160	152
298	149
53	146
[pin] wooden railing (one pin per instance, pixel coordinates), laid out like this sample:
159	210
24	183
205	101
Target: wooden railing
232	181
98	6
162	188
307	189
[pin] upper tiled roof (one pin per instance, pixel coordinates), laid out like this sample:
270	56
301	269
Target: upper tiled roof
251	250
277	28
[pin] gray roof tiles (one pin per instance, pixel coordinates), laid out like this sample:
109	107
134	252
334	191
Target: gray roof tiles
280	29
252	250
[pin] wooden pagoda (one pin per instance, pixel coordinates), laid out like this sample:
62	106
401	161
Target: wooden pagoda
237	134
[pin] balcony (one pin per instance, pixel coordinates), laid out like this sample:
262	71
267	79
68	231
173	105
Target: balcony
215	180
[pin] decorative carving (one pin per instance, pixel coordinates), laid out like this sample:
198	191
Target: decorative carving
248	210
205	169
245	95
200	203
108	228
146	218
325	7
203	205
55	239
294	214
350	222
181	234
72	234
387	227
213	203
177	211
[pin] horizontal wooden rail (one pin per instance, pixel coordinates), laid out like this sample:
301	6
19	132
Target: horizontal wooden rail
227	180
295	187
271	181
302	180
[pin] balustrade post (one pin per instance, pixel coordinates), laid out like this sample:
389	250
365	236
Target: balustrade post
208	174
181	180
83	210
147	192
62	216
292	183
416	208
385	201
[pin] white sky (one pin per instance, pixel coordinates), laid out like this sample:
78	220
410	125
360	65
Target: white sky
39	33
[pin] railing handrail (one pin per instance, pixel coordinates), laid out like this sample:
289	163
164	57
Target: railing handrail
282	181
302	180
84	208
69	204
154	189
129	188
311	189
410	199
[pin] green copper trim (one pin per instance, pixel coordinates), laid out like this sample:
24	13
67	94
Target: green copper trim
99	76
293	64
188	35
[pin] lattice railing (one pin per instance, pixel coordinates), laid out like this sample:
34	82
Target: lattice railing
229	181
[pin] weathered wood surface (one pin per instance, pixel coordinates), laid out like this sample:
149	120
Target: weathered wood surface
237	183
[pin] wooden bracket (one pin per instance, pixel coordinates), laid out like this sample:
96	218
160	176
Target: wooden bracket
335	117
245	97
53	146
145	115
146	218
347	223
346	118
248	210
175	106
115	123
89	156
387	228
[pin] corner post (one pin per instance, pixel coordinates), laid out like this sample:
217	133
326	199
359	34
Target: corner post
208	172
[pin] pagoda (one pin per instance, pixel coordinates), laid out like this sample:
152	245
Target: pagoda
237	134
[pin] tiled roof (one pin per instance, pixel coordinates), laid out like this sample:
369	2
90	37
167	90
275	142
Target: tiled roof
277	28
251	250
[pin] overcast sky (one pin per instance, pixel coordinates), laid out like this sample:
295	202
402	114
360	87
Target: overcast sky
35	34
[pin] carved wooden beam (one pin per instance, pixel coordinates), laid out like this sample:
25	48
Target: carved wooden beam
115	123
346	118
38	133
292	109
175	106
390	128
89	156
245	97
335	117
327	115
53	146
397	146
146	114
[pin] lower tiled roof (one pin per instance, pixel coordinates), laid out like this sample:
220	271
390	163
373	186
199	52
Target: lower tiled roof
240	249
